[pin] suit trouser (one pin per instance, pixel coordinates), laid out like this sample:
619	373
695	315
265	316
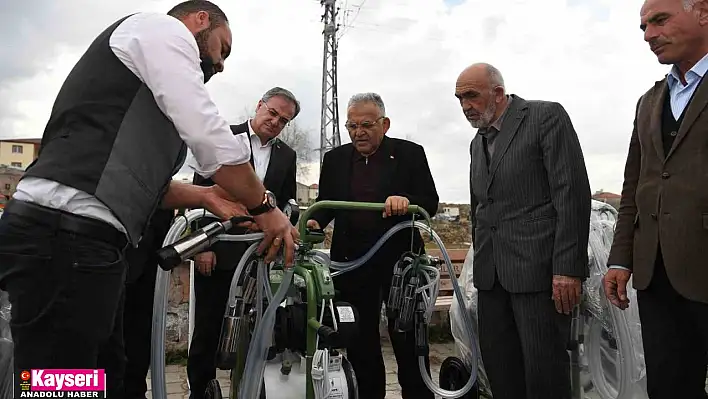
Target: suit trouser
66	292
524	341
675	338
364	353
137	320
211	294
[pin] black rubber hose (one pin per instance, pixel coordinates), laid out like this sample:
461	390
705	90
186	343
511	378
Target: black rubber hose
454	375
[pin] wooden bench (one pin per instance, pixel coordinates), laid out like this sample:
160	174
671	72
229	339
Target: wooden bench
445	295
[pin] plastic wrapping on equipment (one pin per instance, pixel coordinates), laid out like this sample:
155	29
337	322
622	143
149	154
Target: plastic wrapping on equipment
5	347
463	341
602	224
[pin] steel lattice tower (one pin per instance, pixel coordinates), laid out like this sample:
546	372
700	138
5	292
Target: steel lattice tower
329	123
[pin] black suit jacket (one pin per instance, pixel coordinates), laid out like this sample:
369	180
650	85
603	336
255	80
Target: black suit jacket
405	173
531	205
279	179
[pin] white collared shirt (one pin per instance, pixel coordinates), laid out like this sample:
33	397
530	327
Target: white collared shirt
163	54
681	94
261	152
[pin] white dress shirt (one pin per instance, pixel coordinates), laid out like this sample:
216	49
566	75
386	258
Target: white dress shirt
261	153
163	54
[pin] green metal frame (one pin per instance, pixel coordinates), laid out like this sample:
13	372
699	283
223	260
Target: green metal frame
318	282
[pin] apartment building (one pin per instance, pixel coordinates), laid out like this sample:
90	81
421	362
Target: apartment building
18	153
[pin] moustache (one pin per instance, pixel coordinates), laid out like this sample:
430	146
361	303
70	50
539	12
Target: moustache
655	44
471	114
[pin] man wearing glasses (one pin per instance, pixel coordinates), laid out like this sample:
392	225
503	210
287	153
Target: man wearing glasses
274	163
375	168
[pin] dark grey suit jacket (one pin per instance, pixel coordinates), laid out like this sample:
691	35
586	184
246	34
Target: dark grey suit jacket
531	206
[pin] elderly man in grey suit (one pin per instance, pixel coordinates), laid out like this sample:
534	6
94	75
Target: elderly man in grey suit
530	223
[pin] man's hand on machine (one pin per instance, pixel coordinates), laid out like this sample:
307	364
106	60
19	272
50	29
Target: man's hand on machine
278	233
396	206
221	204
205	262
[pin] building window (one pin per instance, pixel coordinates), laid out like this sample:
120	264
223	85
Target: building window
16	164
7	187
17	149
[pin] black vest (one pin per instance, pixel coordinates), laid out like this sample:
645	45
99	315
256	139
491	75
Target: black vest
106	136
669	124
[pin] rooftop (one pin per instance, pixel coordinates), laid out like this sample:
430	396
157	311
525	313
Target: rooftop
24	141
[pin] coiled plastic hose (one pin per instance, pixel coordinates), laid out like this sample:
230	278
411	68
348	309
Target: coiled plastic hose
159	309
344	267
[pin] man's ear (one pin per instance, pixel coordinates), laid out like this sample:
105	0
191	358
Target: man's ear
700	7
386	125
202	19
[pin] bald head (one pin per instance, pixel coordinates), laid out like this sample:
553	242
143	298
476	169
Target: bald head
480	90
676	30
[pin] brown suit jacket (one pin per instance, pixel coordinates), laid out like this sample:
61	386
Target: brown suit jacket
665	200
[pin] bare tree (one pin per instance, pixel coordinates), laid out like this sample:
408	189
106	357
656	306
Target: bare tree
296	137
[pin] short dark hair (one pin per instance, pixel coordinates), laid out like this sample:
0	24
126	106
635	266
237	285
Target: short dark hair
216	15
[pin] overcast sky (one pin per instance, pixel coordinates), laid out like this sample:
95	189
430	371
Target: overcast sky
589	55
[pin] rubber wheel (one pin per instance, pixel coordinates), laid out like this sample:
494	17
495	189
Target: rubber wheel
213	390
454	375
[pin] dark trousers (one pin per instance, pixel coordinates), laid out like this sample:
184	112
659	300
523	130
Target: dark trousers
523	341
211	294
66	292
364	353
137	320
675	337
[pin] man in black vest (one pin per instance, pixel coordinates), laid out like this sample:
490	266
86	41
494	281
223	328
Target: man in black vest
119	130
275	165
662	231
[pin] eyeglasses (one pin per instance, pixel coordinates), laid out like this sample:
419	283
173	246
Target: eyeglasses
366	125
282	120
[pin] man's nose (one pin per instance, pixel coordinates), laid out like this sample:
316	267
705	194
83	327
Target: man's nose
650	34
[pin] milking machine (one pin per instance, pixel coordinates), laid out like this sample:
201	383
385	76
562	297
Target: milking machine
605	346
287	343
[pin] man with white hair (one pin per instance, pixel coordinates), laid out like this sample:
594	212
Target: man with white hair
530	212
375	168
662	229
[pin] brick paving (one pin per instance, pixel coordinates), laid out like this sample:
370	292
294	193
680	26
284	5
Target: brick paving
176	376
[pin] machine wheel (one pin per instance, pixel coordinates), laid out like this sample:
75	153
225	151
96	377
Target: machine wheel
213	390
454	375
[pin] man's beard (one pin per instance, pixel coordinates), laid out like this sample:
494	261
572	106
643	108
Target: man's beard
485	119
207	63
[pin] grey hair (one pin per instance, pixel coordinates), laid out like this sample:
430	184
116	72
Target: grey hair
688	4
287	94
368	98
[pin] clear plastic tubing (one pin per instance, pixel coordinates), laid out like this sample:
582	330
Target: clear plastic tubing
344	267
258	350
159	309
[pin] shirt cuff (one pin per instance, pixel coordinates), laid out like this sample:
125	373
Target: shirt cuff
619	267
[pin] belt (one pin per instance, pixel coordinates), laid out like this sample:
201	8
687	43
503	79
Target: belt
68	222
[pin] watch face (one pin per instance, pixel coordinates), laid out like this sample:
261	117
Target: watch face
271	199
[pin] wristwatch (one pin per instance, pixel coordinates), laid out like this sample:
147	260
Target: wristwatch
269	203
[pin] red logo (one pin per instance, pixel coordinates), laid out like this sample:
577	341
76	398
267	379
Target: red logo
25	375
